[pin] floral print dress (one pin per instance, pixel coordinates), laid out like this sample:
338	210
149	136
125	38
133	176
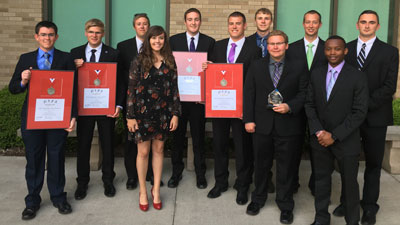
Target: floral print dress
152	100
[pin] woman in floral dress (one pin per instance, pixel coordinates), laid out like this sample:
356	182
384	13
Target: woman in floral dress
153	107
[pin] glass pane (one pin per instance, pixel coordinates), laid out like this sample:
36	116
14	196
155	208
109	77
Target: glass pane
290	17
122	12
348	12
70	17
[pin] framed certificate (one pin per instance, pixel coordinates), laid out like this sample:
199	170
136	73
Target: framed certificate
97	88
50	99
190	75
224	90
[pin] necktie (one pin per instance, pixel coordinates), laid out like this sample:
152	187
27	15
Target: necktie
262	47
361	57
192	48
331	83
47	64
93	56
277	74
231	57
310	55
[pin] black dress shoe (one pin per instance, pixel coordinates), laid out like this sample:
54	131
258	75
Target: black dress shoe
241	197
216	191
63	207
368	218
174	180
131	183
271	186
317	223
339	211
109	190
286	217
30	212
201	182
253	209
80	192
151	179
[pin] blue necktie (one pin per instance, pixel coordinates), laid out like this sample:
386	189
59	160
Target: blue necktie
332	82
47	64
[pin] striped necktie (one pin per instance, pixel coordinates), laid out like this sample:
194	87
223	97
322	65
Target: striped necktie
361	57
47	64
277	74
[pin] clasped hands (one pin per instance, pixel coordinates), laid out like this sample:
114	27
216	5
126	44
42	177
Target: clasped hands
133	125
324	138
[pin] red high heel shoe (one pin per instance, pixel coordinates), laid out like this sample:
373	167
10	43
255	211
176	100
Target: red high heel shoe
145	207
157	206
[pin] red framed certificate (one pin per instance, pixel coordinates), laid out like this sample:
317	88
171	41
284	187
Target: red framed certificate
96	88
224	90
50	99
190	75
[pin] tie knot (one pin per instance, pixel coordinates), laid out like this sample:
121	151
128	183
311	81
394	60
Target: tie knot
364	45
46	55
93	51
233	45
310	45
333	72
192	38
277	64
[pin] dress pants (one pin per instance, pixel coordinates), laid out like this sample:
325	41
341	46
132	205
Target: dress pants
324	165
285	150
311	181
36	143
243	153
85	130
195	114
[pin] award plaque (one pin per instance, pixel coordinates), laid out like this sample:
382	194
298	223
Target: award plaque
274	98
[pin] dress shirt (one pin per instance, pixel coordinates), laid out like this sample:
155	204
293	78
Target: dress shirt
259	38
314	48
189	39
88	52
139	44
40	58
338	68
368	46
239	45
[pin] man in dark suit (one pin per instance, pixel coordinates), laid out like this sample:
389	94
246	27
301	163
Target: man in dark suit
194	41
278	129
309	51
96	51
128	50
235	49
38	142
380	62
336	105
264	20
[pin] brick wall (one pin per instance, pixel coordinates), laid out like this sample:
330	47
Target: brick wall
17	21
215	15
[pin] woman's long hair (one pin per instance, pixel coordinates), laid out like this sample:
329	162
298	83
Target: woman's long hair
146	57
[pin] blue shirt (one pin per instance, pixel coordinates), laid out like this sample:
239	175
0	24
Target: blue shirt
40	58
264	43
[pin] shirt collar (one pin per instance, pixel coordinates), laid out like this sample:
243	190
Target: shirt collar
272	61
41	52
98	48
315	42
240	42
337	68
259	37
368	43
196	37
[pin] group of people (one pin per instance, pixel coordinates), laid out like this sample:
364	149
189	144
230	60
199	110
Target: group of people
342	90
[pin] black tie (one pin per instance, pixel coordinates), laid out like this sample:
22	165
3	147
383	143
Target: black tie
361	57
192	48
93	56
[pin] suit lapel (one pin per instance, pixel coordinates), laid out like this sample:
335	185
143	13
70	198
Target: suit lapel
283	75
372	53
242	55
200	43
319	52
56	59
267	78
134	46
103	53
352	52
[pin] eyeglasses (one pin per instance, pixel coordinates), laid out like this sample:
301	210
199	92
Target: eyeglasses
50	35
96	33
276	44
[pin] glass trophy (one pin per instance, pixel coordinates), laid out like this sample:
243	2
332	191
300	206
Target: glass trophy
274	98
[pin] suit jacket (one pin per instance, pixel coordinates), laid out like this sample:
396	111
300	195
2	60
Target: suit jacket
381	67
178	42
345	110
248	54
293	87
297	51
107	54
127	52
61	61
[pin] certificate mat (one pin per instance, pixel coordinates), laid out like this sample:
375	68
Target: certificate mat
190	75
97	88
50	99
224	90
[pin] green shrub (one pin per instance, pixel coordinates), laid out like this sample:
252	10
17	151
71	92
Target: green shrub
10	118
396	112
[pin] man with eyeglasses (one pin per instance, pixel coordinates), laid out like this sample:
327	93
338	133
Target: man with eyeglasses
277	128
310	51
50	141
128	50
96	51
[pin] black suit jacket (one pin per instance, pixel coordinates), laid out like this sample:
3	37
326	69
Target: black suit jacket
381	67
293	87
248	53
178	42
107	54
127	52
345	110
61	61
297	51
